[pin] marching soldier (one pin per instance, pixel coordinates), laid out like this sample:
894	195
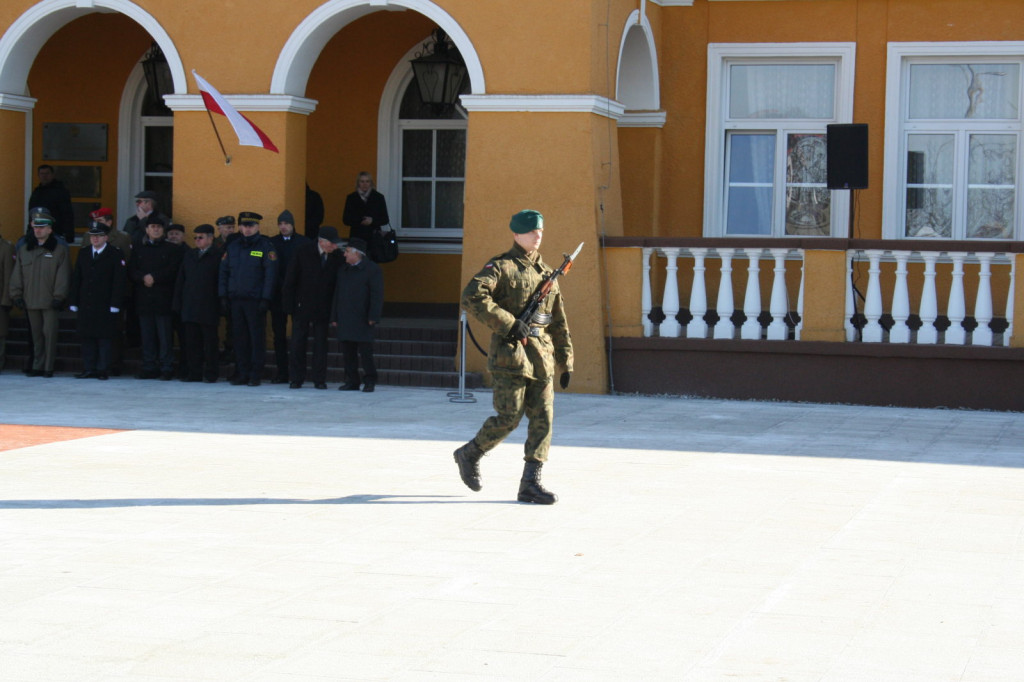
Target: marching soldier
523	357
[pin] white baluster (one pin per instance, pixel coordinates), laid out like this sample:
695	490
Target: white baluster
698	327
929	312
751	328
956	309
1009	302
645	302
800	297
900	332
851	331
982	335
873	300
779	305
670	300
724	328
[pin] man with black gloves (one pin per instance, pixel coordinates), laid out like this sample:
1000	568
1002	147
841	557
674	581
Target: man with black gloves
524	357
248	272
39	285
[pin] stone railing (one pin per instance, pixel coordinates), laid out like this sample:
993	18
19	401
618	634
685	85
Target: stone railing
923	292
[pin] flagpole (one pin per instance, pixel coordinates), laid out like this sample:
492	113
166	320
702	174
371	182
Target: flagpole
227	159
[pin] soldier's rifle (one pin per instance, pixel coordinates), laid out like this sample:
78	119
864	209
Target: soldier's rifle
543	289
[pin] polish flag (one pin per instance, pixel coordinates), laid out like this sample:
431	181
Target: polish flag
247	132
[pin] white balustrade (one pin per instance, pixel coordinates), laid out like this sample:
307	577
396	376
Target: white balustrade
982	335
800	301
900	332
751	328
670	299
724	328
873	299
929	312
851	303
645	301
956	308
698	327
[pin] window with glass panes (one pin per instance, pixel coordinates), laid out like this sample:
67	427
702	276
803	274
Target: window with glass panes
433	157
960	140
769	106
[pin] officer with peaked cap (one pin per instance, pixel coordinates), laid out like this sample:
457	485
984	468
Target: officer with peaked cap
248	272
523	358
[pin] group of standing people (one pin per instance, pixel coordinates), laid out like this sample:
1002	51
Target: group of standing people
146	279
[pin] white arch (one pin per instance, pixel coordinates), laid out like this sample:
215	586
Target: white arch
22	41
636	79
300	52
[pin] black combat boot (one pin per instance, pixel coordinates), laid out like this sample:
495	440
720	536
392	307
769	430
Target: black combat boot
468	459
530	488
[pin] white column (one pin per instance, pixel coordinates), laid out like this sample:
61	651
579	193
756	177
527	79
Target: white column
873	299
670	300
698	327
779	305
645	302
956	309
900	332
751	328
724	328
929	312
851	331
982	335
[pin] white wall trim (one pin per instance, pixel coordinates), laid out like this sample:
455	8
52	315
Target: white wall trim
303	47
9	102
673	3
570	104
643	119
285	103
129	144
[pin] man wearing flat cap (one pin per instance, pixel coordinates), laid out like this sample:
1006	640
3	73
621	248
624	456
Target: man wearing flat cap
39	285
226	231
196	301
153	269
358	303
524	357
248	273
135	226
97	291
285	242
307	295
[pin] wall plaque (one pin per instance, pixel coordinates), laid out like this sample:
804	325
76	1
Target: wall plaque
75	141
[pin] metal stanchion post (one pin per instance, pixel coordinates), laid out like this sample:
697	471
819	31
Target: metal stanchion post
461	396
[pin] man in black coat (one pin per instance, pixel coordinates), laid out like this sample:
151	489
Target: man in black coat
51	194
358	303
306	295
285	242
248	271
195	300
153	269
97	290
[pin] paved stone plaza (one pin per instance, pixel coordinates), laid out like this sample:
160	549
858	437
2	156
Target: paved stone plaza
235	533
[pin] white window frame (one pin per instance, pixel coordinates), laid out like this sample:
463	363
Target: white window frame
720	57
900	57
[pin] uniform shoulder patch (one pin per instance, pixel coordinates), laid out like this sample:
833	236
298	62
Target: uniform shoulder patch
272	255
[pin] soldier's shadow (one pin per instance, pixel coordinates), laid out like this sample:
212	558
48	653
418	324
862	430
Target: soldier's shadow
241	501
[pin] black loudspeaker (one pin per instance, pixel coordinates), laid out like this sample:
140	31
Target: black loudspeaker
847	156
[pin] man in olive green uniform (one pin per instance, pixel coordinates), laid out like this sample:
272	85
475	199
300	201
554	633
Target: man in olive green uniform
39	285
523	357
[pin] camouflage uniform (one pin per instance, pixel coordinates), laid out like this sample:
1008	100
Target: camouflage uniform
522	374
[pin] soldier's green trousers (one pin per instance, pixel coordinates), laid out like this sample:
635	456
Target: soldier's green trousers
515	396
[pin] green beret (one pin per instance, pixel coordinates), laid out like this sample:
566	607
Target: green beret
526	221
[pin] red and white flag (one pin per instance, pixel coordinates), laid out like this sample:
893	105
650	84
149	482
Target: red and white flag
247	132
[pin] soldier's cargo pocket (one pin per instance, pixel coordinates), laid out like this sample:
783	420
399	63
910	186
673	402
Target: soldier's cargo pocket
506	357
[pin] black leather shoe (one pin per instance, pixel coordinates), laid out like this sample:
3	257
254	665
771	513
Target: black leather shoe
238	381
280	379
33	372
48	374
255	382
102	376
86	375
321	385
209	380
348	386
295	384
166	376
368	387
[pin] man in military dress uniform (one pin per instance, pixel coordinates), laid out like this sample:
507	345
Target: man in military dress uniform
523	357
97	294
248	271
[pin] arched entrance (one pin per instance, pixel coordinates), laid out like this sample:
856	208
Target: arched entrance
67	90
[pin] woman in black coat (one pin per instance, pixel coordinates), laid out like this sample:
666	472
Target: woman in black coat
97	289
365	210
